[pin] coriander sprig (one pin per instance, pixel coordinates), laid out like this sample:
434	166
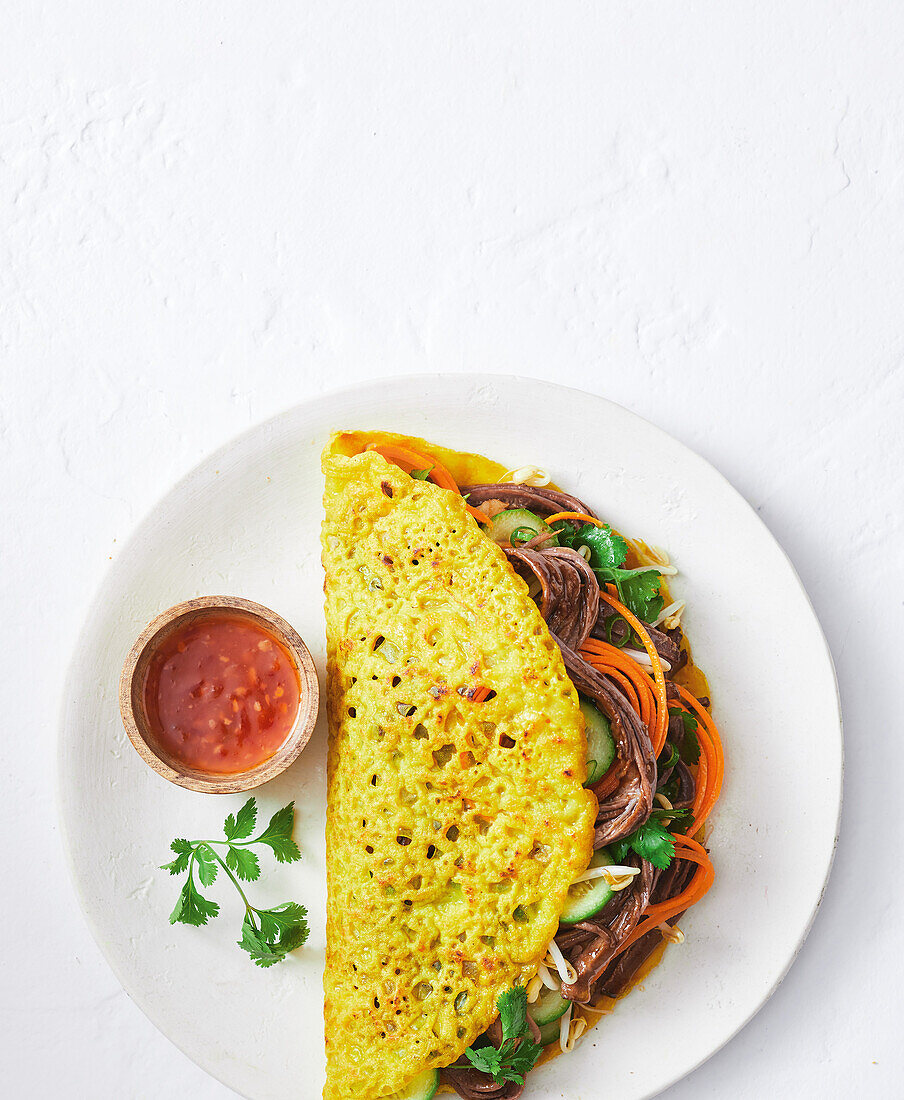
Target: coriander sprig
652	841
518	1052
268	935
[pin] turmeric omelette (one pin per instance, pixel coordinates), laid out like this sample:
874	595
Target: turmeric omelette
521	760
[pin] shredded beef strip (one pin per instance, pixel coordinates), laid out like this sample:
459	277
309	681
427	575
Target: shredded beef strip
618	975
542	501
570	593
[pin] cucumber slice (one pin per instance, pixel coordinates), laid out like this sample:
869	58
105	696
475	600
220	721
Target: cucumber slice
503	526
549	1006
549	1032
423	1087
586	898
600	742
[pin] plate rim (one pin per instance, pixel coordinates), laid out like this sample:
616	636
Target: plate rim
465	378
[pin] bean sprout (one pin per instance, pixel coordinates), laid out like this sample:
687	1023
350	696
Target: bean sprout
546	978
567	972
535	476
671	616
576	1028
613	875
642	658
564	1028
533	989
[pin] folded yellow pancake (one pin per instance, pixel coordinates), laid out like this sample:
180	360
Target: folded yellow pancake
454	826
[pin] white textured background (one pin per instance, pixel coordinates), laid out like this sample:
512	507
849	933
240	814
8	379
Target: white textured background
213	210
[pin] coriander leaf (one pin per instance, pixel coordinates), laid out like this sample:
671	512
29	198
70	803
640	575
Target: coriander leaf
662	813
183	850
518	1053
261	952
607	549
620	848
422	475
278	835
192	907
679	821
510	1062
639	591
523	1060
207	865
690	743
242	825
512	1005
283	920
652	842
487	1060
245	863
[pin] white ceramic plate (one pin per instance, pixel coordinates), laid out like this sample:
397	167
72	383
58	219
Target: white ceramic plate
245	522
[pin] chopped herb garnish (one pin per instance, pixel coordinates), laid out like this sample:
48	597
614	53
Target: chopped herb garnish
518	1053
522	534
422	475
652	841
268	935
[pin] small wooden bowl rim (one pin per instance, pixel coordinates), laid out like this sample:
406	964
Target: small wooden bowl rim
131	685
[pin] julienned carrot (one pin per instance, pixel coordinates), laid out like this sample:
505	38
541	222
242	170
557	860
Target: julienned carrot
480	694
576	516
662	713
620	678
712	743
598	653
657	915
410	460
644	701
701	779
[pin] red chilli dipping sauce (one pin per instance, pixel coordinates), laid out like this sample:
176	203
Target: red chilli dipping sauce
221	694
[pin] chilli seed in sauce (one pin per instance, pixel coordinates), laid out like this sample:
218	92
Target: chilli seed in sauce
221	694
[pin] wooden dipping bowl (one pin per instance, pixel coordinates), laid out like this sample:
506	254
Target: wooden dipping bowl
134	713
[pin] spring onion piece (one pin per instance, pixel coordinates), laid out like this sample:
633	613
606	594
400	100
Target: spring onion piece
611	624
522	534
